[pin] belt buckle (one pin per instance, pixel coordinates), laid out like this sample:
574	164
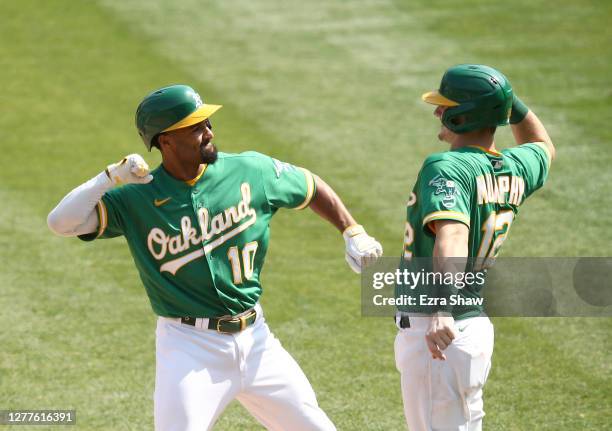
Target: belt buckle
224	319
241	319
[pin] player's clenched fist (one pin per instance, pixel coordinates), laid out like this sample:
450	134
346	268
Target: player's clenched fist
361	248
440	335
131	169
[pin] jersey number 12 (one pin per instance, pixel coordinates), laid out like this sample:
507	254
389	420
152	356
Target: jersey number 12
494	232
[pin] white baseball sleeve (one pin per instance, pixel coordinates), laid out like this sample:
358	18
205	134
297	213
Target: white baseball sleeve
76	213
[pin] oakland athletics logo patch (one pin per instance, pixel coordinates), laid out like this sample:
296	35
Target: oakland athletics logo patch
446	187
279	167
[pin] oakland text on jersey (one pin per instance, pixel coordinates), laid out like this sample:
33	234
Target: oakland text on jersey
159	243
492	189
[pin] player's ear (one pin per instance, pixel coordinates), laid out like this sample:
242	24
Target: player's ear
163	140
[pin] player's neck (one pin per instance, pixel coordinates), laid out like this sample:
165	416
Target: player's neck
181	172
480	139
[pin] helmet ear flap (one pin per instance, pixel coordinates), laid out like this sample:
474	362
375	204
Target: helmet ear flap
455	119
450	121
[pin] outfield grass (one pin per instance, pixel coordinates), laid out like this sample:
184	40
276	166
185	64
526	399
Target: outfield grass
333	86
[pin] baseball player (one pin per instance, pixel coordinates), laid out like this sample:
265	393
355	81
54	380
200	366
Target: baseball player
198	227
462	205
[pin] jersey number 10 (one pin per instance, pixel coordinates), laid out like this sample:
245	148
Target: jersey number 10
248	259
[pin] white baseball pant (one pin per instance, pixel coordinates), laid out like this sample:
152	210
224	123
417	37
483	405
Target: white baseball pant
444	395
200	371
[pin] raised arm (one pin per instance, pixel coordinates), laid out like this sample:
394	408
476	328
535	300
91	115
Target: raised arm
76	213
527	127
361	249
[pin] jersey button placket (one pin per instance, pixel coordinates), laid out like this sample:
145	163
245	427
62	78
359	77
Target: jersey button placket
197	204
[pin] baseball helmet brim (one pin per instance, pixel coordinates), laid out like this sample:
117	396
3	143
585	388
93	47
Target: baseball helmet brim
197	116
435	98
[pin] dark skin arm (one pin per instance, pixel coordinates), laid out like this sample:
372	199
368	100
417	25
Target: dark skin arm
327	204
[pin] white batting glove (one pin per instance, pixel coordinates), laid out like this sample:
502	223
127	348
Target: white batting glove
361	249
131	169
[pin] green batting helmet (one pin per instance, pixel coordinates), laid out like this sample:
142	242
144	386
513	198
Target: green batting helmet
481	94
170	108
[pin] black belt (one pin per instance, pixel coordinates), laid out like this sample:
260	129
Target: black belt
404	322
227	324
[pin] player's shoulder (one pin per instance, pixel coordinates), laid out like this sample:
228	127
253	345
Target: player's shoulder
439	158
239	156
450	161
528	149
254	159
248	162
244	158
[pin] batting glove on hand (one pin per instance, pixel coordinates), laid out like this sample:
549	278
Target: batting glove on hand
132	169
361	249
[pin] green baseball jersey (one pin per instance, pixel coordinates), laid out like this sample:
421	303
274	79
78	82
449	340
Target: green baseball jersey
200	246
481	189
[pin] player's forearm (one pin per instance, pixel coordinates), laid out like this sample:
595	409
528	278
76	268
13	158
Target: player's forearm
450	251
451	239
76	213
449	248
531	129
449	257
361	249
327	204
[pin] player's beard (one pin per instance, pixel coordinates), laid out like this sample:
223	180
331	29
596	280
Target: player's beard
208	153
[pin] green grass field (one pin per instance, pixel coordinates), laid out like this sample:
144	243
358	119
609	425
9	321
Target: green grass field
330	85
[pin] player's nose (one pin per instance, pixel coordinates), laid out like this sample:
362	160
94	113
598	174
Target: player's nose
208	134
439	111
